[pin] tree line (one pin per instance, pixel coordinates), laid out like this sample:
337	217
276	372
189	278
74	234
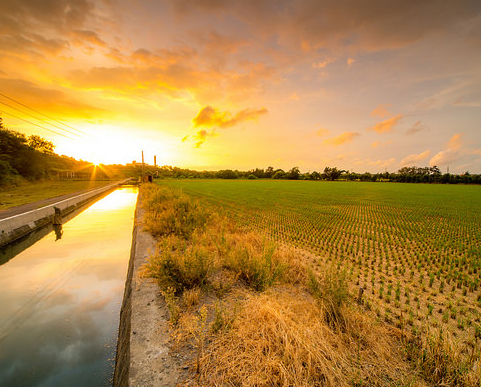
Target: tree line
404	175
30	158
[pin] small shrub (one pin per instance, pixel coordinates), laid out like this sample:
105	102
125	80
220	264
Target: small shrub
332	291
172	305
259	265
179	265
171	212
222	319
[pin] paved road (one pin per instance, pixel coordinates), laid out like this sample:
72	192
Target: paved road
42	203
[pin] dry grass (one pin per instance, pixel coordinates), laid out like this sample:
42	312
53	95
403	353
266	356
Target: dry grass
280	338
441	361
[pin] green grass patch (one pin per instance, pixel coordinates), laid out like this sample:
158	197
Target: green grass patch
33	192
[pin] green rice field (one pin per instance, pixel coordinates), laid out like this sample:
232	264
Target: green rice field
414	248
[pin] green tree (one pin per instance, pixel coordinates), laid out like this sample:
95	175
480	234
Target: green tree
269	172
332	173
40	144
279	174
293	173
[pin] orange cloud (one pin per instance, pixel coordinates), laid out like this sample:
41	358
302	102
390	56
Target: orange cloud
84	36
49	101
451	154
322	132
415	158
377	144
455	142
387	125
381	111
211	117
367	26
200	137
322	64
342	139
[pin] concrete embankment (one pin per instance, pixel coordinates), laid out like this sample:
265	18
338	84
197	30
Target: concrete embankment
18	226
143	348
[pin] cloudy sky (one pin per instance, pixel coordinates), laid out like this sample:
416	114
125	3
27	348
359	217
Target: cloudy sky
209	84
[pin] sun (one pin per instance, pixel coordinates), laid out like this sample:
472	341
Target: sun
109	144
95	160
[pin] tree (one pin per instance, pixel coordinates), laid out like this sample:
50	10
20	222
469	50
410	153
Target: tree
40	144
279	174
332	173
294	173
269	172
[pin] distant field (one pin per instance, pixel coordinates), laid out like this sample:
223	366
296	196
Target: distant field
414	248
32	192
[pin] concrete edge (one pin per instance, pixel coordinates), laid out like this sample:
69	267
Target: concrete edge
144	357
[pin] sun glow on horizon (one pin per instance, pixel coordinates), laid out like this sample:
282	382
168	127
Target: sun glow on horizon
110	144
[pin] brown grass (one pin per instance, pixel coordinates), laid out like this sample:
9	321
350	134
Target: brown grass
280	338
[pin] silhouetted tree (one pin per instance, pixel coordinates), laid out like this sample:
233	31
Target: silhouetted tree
293	173
332	173
40	144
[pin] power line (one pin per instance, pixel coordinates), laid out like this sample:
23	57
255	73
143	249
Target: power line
39	119
36	111
40	126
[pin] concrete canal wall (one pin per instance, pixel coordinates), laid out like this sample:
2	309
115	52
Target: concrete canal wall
18	226
143	349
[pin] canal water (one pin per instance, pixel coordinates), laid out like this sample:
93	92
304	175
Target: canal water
60	298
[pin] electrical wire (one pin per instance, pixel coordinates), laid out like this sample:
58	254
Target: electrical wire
39	119
40	126
38	112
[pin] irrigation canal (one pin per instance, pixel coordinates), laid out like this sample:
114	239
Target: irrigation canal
60	295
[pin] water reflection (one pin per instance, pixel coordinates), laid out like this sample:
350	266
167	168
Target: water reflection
57	228
10	251
61	297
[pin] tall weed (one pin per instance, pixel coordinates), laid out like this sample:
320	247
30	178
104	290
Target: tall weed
179	265
171	213
332	291
440	360
256	261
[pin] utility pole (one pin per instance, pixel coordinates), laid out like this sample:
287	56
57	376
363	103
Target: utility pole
142	180
155	162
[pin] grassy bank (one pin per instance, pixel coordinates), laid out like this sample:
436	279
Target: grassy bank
33	192
246	311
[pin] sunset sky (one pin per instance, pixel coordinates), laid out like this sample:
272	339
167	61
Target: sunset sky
212	84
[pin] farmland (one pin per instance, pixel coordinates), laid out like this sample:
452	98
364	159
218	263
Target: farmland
415	249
